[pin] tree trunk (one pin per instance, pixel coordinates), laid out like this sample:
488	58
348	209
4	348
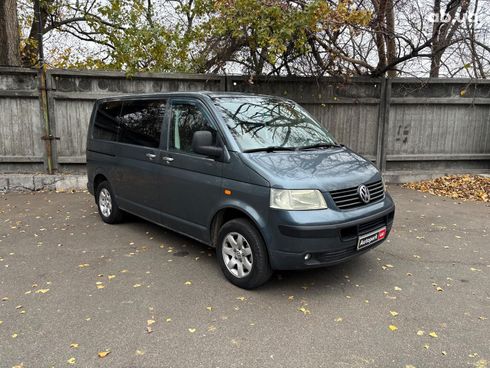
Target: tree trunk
390	36
9	33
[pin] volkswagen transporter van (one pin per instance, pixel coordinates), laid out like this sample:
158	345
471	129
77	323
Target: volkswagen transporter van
254	176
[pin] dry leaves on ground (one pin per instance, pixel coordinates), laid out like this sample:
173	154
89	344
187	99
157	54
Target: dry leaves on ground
456	186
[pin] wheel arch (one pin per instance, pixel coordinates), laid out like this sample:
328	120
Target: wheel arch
230	212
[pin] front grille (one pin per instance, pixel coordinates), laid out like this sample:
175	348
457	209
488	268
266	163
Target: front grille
372	225
336	255
349	198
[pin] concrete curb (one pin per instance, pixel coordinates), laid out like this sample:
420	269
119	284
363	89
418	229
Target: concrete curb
40	182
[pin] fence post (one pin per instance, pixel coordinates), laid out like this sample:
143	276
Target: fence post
383	120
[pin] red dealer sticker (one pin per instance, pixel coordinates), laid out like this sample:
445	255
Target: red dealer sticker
369	239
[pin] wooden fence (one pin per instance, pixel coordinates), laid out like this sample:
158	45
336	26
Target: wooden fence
404	125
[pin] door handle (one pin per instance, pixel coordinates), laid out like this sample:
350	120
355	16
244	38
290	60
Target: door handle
150	156
167	159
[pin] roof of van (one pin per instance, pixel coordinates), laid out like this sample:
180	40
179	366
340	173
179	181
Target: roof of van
187	93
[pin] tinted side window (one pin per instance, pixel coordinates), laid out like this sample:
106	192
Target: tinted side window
186	119
141	121
106	124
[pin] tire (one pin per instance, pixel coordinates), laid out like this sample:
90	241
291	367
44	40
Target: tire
242	254
106	204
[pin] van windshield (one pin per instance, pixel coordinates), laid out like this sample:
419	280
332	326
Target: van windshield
267	123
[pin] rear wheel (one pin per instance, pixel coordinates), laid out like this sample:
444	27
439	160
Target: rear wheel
106	203
242	254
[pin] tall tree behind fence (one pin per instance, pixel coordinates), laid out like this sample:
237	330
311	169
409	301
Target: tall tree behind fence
404	125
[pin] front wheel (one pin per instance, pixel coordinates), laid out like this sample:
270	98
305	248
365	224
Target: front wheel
242	254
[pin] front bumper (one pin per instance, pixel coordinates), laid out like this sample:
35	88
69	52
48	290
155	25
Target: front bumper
329	236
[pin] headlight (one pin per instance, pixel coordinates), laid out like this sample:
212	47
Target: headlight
297	199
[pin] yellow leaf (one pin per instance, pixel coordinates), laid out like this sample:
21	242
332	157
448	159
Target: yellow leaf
83	265
168	320
475	269
150	322
103	354
149	329
136	285
393	313
338	319
439	288
444	353
420	333
192	330
71	361
304	310
14	335
74	345
291	297
140	352
209	308
433	334
242	298
41	291
392	327
188	283
110	277
398	288
100	286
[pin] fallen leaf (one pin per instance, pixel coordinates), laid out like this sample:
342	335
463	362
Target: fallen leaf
74	345
83	265
439	288
149	329
433	334
103	354
393	313
168	320
100	286
392	327
398	288
110	277
242	298
192	330
338	319
41	291
136	285
304	310
209	308
140	352
150	322
188	283
420	333
71	361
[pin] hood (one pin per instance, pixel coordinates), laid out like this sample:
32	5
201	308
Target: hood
326	170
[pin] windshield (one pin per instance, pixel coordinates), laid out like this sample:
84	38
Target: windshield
270	123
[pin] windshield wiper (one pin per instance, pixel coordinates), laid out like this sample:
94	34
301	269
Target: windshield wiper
319	145
270	149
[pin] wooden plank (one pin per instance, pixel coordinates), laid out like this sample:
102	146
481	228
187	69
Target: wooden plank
440	101
440	157
21	159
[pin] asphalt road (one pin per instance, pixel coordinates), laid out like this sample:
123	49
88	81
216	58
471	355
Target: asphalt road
72	286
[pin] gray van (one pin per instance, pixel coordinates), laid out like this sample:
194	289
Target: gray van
254	176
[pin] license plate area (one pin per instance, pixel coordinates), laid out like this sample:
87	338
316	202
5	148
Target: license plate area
371	238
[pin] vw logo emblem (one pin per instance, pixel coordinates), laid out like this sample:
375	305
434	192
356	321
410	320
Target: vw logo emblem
364	194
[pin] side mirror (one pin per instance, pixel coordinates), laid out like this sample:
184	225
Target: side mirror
202	143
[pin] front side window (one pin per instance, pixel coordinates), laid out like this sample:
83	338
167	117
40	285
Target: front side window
187	118
260	122
140	122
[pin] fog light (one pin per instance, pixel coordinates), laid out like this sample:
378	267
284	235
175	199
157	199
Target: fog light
307	256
